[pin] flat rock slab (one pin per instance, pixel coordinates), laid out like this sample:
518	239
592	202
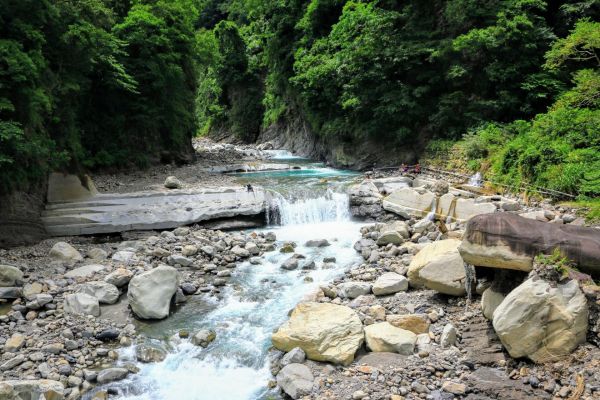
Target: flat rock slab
109	213
495	383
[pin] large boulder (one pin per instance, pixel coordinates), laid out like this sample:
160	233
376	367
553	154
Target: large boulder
150	293
505	240
81	304
391	184
542	322
31	389
384	337
439	266
389	283
408	202
326	332
65	253
296	380
10	276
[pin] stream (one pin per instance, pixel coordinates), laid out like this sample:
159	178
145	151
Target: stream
308	203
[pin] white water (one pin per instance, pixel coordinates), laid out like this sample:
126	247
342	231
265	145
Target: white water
280	155
476	180
256	301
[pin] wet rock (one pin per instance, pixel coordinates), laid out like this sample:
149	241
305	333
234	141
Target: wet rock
287	247
108	334
111	375
85	272
390	283
150	293
105	292
81	304
290	264
204	337
65	253
188	288
317	243
440	267
352	290
296	380
416	323
384	337
10	276
173	183
10	293
326	332
296	355
149	354
542	322
119	277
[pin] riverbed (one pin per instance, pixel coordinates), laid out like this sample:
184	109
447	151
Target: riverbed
309	202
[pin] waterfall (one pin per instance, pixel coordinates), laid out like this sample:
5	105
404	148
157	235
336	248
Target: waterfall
431	215
329	207
476	180
280	154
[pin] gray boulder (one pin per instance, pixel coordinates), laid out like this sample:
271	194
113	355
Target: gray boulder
105	292
390	283
111	375
81	304
295	380
352	290
10	276
65	253
150	293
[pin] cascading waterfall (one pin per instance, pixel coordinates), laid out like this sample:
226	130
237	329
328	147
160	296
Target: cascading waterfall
431	215
330	207
476	180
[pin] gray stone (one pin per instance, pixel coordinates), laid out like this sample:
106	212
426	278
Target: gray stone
119	277
105	292
204	337
150	293
352	290
296	380
10	276
295	355
390	283
81	304
111	375
448	337
85	272
65	253
173	183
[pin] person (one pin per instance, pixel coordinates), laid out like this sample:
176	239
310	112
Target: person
418	168
249	188
404	168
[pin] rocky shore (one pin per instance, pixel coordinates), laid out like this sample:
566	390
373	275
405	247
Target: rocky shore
411	321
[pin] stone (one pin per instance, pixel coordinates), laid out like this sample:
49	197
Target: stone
326	332
490	300
440	267
390	237
31	389
454	388
352	290
408	202
124	256
150	293
295	355
31	290
14	343
173	183
149	354
65	253
119	277
317	243
97	254
290	264
391	184
240	252
189	250
384	337
9	293
448	337
416	323
509	241
13	362
296	380
105	292
204	337
179	259
111	375
85	272
389	283
108	334
81	304
542	322
423	225
10	276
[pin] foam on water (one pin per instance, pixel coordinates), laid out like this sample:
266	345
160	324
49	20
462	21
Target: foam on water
281	155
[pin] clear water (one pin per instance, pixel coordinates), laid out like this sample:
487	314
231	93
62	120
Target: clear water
309	203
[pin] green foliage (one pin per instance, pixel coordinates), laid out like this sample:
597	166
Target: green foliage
582	45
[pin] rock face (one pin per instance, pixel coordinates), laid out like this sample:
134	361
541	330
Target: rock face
32	389
10	276
542	322
440	267
326	332
295	380
82	304
65	253
150	293
390	283
505	240
384	337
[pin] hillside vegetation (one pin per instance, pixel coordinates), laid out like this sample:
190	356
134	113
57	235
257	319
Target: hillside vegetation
88	84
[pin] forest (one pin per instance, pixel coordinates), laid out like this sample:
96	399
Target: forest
115	84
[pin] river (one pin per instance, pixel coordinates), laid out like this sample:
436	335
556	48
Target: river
309	202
